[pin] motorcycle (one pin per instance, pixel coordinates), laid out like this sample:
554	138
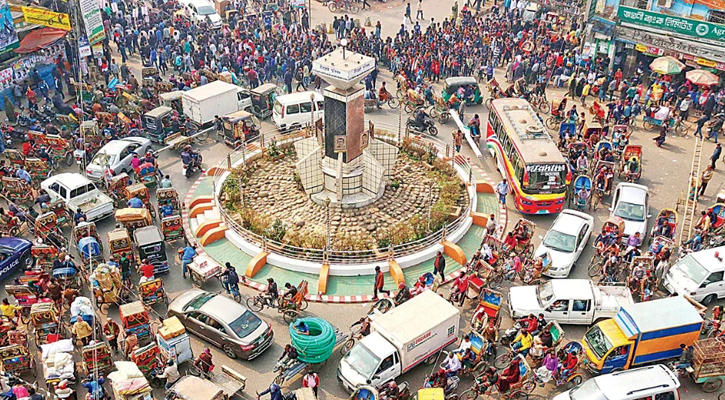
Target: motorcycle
509	334
428	126
195	164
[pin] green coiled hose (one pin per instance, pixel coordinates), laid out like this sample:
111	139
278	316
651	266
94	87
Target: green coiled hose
318	345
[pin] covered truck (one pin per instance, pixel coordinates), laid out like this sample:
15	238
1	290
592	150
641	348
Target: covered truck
414	332
569	301
640	334
203	103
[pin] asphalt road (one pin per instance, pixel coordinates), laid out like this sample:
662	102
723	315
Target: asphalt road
665	173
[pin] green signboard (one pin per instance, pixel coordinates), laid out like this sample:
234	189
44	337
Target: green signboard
684	26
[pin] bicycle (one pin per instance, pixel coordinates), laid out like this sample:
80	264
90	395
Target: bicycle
355	335
336	5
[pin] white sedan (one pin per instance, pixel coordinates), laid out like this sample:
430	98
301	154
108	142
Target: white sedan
565	240
631	203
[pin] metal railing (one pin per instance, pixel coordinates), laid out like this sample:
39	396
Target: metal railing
253	149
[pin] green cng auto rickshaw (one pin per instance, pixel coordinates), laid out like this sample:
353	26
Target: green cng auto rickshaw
452	85
157	123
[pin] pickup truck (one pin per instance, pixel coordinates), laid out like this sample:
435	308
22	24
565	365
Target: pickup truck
569	301
79	192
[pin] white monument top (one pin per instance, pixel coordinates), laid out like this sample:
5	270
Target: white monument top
342	68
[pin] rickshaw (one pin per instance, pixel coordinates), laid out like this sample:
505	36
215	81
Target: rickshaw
105	284
135	320
632	154
488	310
173	228
146	174
440	110
573	377
142	192
452	85
597	112
558	112
86	229
44	256
119	243
133	218
38	169
151	246
494	92
89	131
14	157
172	100
665	224
60	149
412	100
16	359
89	249
45	318
239	127
592	133
156	123
290	308
582	182
152	292
69	277
168	197
719	210
557	339
648	284
117	188
263	98
518	390
62	216
603	176
16	190
45	224
568	129
625	131
573	149
524	232
600	147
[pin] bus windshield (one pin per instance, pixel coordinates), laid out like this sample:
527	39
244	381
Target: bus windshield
546	178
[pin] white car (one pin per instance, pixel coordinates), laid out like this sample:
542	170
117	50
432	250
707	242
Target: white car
631	203
116	155
201	10
79	192
565	240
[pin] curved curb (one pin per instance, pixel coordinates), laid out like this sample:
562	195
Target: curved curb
502	211
503	218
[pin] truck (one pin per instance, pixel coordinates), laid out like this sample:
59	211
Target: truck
412	333
640	334
203	103
79	192
569	301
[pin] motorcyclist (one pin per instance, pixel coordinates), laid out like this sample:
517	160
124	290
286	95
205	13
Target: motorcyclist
421	119
187	155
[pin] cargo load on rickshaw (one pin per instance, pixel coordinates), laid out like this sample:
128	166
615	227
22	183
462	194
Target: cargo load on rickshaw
105	283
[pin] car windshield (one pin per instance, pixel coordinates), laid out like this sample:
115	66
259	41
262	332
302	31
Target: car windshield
205	10
630	211
587	391
362	360
691	269
246	324
597	341
546	293
101	159
198	301
558	241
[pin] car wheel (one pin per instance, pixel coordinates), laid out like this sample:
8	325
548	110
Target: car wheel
709	299
229	352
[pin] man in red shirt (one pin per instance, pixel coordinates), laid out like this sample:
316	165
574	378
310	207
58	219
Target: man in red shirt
379	283
146	270
461	285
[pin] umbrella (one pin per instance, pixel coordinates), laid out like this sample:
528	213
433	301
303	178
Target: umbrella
667	65
702	77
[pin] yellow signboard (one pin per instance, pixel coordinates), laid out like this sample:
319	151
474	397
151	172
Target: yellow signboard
49	18
707	63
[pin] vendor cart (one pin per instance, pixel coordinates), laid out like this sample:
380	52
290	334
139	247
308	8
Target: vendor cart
298	366
16	359
151	246
128	382
174	342
202	269
708	364
192	387
45	319
105	283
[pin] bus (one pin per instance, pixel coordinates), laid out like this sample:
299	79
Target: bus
526	155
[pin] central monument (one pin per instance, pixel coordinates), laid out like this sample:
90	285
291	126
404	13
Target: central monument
344	164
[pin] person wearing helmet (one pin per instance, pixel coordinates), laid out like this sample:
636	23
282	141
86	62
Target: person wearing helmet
170	373
403	294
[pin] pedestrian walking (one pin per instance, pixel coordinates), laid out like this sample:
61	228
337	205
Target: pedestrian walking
311	380
379	283
458	140
439	266
419	12
700	124
715	155
502	189
407	13
705	179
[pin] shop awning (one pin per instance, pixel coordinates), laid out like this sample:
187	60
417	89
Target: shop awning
39	39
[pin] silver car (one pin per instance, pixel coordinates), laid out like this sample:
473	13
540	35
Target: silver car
223	322
117	155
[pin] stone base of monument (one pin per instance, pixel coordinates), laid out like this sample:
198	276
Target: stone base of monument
355	200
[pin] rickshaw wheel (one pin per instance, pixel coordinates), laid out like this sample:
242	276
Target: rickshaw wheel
594	269
255	304
721	396
528	386
519	394
347	346
290	316
488	102
573	381
196	280
647	125
712	385
433	113
354	8
544	107
550	123
393	102
495	282
503	360
409	108
203	136
304	304
469	394
69	159
445	117
279	379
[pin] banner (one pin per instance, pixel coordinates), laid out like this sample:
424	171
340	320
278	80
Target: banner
683	26
84	48
8	36
92	20
49	18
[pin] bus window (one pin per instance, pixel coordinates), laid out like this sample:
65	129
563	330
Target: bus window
546	178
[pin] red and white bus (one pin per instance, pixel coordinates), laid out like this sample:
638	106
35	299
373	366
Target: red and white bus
527	156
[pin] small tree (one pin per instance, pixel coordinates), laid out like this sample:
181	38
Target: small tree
276	231
10	110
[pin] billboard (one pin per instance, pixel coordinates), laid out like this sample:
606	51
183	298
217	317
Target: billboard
8	36
49	18
92	20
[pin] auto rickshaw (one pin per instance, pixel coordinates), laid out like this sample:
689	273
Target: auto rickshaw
146	174
239	127
119	243
142	192
157	123
263	98
470	88
38	169
16	189
150	245
172	100
134	218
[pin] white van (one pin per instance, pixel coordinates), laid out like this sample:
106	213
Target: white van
656	382
295	110
699	275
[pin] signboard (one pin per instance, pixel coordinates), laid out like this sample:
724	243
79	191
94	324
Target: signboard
92	20
84	48
97	50
8	35
657	44
49	18
684	26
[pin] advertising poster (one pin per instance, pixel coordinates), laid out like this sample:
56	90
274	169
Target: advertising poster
49	18
92	20
8	36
